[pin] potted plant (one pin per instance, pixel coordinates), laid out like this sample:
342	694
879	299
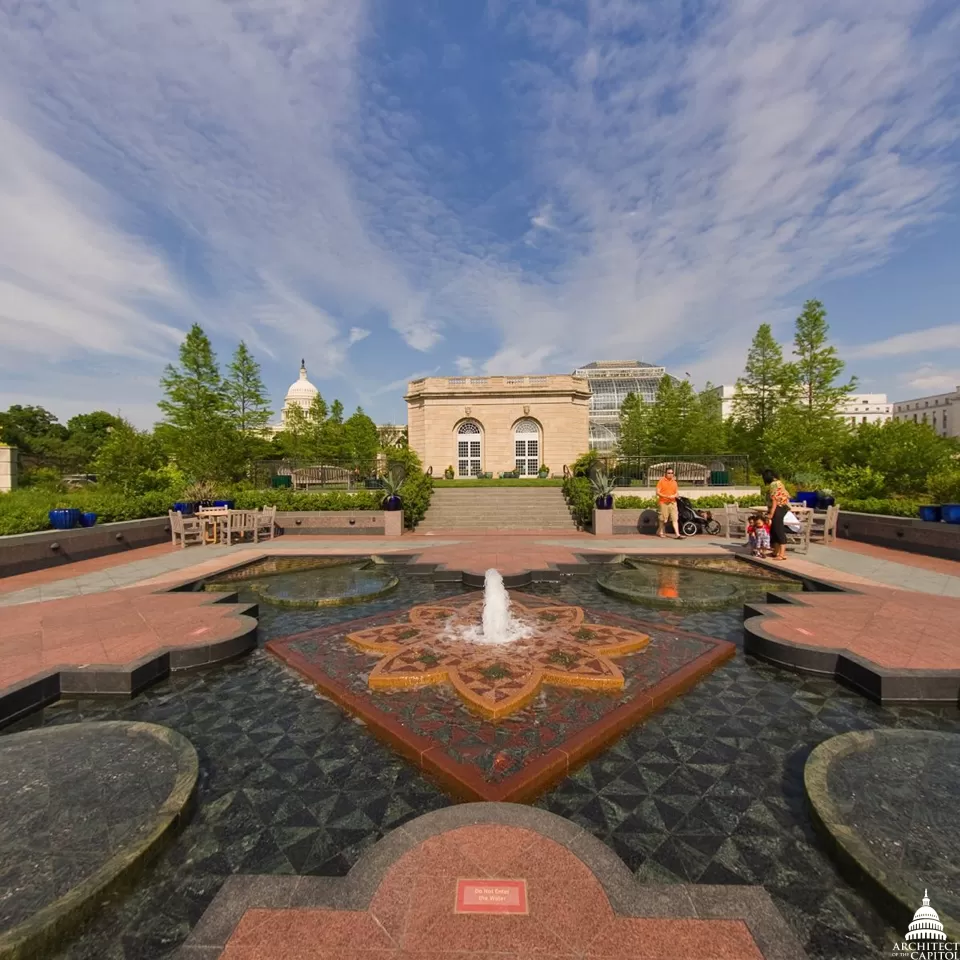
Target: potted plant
544	471
944	489
88	519
807	484
391	492
602	491
825	498
448	473
64	518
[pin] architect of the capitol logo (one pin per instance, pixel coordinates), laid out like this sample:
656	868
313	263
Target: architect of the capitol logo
925	938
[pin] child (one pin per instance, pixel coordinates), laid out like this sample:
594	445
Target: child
758	534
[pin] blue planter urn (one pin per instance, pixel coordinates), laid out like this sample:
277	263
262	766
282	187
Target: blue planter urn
185	508
807	497
930	514
392	504
64	519
605	502
950	512
88	519
226	504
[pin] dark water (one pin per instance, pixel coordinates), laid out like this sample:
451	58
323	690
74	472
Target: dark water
709	790
692	583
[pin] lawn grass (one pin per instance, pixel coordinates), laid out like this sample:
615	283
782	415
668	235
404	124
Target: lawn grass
496	482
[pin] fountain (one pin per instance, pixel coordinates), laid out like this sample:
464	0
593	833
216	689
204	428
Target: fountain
497	625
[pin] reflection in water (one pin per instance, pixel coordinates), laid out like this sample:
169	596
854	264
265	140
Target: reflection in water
689	587
669	583
327	586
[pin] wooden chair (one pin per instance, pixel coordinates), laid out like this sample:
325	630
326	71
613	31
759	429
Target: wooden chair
264	524
801	541
186	529
237	523
824	525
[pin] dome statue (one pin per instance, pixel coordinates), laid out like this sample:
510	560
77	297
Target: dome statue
926	923
300	394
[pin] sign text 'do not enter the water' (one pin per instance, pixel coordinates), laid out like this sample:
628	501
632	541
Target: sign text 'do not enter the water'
491	896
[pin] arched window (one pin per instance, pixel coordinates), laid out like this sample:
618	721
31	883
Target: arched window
469	449
526	446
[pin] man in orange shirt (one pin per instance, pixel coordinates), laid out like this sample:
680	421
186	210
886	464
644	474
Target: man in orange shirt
667	492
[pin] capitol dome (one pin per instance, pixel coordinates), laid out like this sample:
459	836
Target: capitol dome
926	923
301	392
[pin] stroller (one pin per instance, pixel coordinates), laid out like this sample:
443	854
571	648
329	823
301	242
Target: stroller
693	521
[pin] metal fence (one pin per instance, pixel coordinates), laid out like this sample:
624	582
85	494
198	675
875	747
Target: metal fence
319	475
725	470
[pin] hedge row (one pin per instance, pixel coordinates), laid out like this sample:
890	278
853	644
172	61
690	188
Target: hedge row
26	511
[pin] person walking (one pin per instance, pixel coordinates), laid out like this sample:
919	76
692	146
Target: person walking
778	503
667	493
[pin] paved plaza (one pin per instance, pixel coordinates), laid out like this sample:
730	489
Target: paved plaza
681	831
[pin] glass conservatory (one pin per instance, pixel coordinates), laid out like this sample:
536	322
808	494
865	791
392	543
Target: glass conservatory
611	381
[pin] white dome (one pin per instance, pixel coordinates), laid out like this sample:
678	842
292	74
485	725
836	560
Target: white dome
300	394
302	388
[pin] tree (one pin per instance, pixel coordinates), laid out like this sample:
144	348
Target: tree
201	435
706	429
86	435
246	396
128	460
362	441
247	405
906	453
634	427
760	391
817	367
28	427
670	418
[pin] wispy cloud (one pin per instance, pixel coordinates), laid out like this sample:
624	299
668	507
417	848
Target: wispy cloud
285	173
933	339
929	379
356	335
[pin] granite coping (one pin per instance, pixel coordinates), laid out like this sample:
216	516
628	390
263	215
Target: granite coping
358	890
49	927
894	834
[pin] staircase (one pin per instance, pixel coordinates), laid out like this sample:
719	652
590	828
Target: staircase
497	508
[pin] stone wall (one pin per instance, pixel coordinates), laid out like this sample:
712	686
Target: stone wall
9	467
901	533
25	552
51	548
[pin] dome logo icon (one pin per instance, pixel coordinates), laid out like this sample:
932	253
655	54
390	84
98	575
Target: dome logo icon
925	938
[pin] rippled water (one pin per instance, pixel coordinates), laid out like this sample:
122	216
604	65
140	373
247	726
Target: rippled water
692	583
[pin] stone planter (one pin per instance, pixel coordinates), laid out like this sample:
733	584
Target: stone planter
603	523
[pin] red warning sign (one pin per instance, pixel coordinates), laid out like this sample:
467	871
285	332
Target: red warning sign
491	896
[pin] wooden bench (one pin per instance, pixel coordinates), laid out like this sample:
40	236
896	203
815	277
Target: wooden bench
305	477
683	472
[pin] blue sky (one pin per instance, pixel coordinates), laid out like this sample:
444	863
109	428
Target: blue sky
399	189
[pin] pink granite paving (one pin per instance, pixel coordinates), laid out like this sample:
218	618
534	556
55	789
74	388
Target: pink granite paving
114	628
935	564
895	629
412	916
77	568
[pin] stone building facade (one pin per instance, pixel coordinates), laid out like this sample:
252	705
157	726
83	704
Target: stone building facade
497	425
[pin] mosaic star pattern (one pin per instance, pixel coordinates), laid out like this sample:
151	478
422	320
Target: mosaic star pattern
495	681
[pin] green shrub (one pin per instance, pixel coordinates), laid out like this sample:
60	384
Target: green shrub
714	502
889	508
857	483
578	492
944	487
417	485
305	501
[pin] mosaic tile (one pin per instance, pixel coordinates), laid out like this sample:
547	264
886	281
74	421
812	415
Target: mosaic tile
289	784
